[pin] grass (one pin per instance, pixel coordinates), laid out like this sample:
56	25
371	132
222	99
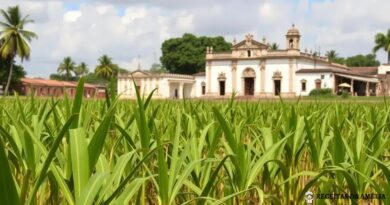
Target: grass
76	151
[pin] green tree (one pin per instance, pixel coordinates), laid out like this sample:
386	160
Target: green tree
94	79
362	61
273	46
67	66
14	39
106	68
157	68
18	72
187	53
63	77
331	54
333	57
81	70
383	41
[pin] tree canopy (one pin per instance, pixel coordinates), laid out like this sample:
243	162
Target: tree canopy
81	70
273	46
14	39
187	53
333	57
359	60
67	66
106	68
383	41
18	72
362	61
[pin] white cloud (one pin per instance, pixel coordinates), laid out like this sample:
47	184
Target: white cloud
72	16
133	13
184	23
126	29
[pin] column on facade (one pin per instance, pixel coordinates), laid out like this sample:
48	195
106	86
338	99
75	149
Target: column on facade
290	77
181	90
193	92
353	92
367	89
208	76
262	76
158	87
234	76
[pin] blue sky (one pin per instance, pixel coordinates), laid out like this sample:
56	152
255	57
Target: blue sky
124	29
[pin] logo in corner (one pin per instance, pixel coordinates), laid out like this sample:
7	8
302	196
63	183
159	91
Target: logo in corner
309	197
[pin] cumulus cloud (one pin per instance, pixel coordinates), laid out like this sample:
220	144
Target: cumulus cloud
125	29
72	16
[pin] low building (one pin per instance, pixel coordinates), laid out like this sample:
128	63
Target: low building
44	87
252	69
167	85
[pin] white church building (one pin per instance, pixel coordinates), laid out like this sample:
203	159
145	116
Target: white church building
252	69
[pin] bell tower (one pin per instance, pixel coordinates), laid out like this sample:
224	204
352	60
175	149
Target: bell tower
293	39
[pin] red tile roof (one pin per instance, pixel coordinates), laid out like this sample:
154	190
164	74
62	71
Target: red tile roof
52	83
364	70
337	70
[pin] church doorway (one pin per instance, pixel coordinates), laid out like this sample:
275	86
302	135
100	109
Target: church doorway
222	87
277	87
249	84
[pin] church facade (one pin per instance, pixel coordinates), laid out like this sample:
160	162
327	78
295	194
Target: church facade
251	69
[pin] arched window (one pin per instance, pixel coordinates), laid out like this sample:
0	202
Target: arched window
318	83
249	53
203	86
303	85
291	43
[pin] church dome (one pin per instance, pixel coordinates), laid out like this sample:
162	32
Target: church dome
293	31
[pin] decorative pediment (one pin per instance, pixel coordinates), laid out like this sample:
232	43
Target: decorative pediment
139	73
277	75
248	73
250	43
221	76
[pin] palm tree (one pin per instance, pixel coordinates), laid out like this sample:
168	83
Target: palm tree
106	68
81	69
68	66
15	39
383	41
332	55
274	46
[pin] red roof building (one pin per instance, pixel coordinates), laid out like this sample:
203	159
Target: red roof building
44	87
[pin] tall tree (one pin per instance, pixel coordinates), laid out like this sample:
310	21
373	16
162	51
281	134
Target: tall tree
187	53
383	41
18	72
106	68
14	38
67	66
332	55
81	70
273	46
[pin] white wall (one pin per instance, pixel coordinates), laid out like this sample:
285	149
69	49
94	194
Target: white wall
327	82
274	65
241	66
383	69
309	64
218	67
127	89
172	88
197	88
